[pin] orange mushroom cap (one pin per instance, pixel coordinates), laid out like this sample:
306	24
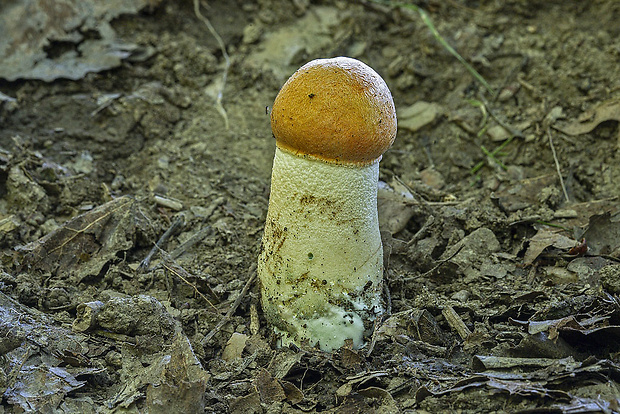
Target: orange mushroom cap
336	110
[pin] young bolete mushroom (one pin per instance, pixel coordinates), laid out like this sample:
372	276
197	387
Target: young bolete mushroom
321	263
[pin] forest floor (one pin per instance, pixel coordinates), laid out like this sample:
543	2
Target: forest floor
128	123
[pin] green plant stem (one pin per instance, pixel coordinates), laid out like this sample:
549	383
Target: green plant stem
428	22
492	154
485	115
546	223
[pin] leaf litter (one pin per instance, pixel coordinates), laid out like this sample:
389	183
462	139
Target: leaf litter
502	295
62	40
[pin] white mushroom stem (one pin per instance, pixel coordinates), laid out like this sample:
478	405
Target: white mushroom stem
321	266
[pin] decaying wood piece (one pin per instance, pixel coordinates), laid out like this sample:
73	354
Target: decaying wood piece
456	322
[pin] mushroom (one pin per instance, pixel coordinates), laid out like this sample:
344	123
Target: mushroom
321	262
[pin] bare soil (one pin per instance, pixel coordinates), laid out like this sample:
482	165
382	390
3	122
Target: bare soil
500	217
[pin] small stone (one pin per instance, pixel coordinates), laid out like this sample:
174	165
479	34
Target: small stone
432	178
498	133
418	115
168	203
461	295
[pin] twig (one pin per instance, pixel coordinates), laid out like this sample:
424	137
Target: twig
513	131
184	275
422	232
400	181
437	266
557	165
455	322
198	236
388	297
233	308
441	263
144	264
373	338
220	42
254	320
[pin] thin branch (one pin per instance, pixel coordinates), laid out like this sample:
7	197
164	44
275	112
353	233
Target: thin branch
422	232
186	245
178	222
177	270
444	261
373	338
455	321
557	165
437	266
233	308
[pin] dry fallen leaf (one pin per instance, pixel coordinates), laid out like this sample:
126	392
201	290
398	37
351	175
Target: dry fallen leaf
603	234
30	29
587	121
543	239
524	193
84	244
268	387
235	346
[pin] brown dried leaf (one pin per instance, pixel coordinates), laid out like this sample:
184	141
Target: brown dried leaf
293	394
534	327
606	111
588	209
492	362
234	346
350	358
84	244
174	382
283	363
387	403
523	193
512	387
543	239
528	389
178	382
603	234
268	387
246	405
29	29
